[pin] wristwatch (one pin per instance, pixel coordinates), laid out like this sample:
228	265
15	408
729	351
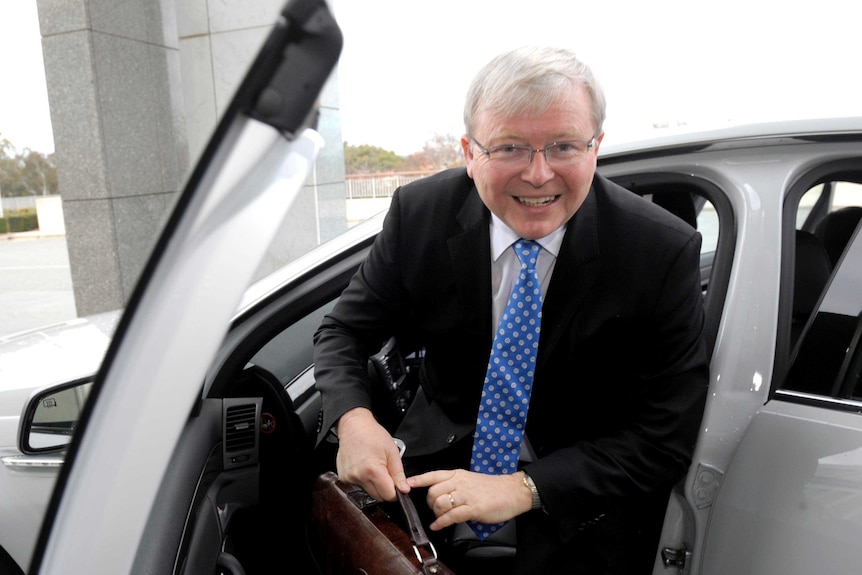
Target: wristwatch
534	491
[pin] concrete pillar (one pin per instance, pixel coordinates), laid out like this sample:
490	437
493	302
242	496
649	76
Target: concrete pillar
114	87
218	40
135	89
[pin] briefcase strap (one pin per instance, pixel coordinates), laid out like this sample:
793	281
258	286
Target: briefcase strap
425	552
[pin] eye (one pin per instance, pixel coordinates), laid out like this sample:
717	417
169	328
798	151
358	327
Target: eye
564	148
507	149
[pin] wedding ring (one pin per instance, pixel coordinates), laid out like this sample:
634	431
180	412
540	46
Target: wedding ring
451	500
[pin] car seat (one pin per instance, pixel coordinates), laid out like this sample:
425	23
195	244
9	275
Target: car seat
811	272
836	229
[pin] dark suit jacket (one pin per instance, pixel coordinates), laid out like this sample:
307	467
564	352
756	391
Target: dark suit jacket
622	369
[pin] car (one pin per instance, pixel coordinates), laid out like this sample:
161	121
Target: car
52	357
190	448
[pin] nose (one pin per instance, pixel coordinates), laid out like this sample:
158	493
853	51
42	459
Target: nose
538	172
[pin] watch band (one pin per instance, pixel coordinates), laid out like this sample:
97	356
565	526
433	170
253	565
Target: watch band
534	491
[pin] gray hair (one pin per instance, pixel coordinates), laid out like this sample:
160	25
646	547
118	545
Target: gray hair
529	80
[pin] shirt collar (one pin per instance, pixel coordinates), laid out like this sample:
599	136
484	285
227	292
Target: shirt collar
502	237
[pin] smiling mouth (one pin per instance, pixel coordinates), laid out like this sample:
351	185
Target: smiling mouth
537	202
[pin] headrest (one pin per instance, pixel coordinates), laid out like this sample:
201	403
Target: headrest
680	204
836	229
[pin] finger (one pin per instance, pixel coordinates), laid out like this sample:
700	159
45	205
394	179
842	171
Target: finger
458	514
396	472
375	480
381	487
400	480
391	477
444	503
431	478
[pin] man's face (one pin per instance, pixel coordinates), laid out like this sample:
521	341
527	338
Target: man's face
537	199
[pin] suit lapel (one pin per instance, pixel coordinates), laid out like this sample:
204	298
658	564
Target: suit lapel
470	253
574	275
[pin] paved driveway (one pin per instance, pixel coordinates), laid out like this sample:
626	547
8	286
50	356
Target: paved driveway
35	283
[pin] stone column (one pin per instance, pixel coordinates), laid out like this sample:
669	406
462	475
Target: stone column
218	40
135	88
115	93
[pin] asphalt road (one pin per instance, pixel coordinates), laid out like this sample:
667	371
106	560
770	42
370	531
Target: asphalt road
35	283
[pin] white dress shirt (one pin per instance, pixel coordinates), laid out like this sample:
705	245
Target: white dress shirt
505	265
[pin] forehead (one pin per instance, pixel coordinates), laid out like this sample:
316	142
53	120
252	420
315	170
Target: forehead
567	116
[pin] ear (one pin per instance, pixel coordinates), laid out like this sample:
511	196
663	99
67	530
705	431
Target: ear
468	154
599	139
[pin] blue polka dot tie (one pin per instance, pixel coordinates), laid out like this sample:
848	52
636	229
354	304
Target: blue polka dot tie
509	379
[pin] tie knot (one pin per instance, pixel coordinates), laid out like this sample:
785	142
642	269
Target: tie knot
528	252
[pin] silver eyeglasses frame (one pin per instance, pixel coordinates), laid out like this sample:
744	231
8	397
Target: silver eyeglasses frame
582	146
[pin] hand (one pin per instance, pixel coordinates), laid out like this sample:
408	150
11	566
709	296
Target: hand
457	495
368	457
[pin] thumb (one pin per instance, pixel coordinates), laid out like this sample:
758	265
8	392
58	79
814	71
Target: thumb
396	472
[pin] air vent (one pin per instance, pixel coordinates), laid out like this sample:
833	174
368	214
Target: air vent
240	434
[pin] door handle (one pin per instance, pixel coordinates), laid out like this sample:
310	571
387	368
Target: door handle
30	462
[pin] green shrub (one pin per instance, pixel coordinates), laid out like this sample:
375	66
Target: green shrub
14	221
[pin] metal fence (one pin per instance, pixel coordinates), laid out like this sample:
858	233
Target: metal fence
367	186
18	203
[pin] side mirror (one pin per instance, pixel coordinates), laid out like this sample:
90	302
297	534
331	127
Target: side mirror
51	417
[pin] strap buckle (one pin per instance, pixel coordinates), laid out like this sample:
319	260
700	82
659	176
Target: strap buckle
432	565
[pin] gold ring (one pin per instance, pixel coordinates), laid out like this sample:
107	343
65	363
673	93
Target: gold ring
451	500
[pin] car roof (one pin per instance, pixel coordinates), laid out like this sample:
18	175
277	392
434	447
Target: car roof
736	135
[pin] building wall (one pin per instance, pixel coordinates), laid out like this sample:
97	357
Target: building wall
135	88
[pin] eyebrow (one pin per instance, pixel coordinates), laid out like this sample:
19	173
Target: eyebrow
518	140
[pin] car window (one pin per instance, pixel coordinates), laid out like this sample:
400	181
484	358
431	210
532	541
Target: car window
829	355
705	207
826	216
827	300
707	225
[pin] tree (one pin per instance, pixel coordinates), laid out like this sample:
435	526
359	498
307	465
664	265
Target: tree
439	153
367	159
39	174
26	173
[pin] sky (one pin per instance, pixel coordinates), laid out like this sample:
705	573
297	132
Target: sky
25	119
676	64
661	62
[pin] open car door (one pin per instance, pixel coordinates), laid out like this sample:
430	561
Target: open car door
236	198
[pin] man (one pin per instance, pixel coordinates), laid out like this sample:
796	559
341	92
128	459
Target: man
619	383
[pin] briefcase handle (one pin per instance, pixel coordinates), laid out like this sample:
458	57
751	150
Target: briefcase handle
425	552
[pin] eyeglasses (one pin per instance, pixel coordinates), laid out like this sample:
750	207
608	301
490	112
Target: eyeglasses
557	155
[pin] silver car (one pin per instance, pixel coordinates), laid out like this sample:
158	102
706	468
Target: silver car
192	445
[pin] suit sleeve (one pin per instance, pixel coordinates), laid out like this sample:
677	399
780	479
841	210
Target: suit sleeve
366	314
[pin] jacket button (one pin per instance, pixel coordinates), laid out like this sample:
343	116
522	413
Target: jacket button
451	438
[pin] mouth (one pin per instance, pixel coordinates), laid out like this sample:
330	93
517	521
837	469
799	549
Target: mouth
537	202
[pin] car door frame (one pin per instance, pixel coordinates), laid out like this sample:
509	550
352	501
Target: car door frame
229	211
740	445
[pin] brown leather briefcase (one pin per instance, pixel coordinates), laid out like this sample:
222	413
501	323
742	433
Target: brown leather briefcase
357	536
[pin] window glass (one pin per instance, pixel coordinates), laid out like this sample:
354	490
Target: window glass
707	225
827	360
806	204
689	199
846	194
826	217
690	206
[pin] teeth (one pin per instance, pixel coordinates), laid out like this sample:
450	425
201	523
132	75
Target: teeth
534	202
